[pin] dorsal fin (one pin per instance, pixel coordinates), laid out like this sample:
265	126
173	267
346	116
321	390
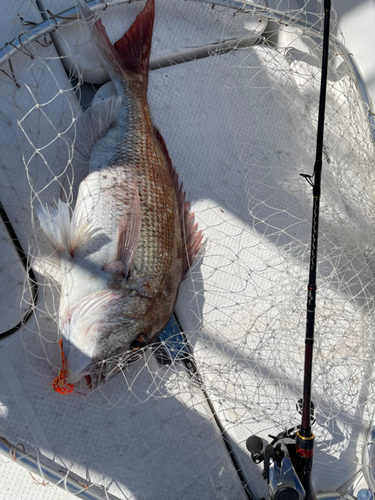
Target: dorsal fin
191	237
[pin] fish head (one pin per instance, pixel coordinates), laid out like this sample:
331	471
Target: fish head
101	332
82	329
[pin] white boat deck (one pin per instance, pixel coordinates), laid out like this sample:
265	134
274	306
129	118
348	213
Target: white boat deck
150	433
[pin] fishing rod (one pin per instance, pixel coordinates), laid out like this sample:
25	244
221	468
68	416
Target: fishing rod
288	458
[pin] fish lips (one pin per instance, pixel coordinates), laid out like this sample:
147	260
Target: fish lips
77	362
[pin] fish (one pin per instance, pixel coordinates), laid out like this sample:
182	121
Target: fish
131	239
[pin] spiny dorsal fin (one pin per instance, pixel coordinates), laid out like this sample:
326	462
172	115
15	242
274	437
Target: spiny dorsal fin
191	237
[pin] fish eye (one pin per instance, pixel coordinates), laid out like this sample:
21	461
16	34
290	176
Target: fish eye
135	345
138	343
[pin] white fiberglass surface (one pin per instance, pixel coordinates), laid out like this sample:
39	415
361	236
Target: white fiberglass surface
148	450
240	128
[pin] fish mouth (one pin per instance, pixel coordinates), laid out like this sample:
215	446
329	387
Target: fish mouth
92	369
97	373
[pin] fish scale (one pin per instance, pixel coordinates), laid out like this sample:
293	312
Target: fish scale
136	146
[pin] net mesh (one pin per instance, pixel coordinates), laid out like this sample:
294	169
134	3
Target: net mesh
239	119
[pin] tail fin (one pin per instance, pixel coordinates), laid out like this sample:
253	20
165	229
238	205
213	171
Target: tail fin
129	54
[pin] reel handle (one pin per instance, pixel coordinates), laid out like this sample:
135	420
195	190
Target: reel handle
255	446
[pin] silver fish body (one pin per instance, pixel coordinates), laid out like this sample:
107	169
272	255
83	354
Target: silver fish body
125	164
131	237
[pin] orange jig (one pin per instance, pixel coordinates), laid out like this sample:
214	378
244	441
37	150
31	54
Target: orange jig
59	384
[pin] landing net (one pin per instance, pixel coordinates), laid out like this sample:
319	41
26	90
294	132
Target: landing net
234	90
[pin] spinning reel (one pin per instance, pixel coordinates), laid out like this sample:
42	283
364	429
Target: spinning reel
285	474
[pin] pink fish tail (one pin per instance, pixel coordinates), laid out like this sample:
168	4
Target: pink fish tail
135	46
131	53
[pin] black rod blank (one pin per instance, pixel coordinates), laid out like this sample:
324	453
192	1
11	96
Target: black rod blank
305	437
311	293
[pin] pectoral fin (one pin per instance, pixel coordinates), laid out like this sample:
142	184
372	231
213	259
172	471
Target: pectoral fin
125	244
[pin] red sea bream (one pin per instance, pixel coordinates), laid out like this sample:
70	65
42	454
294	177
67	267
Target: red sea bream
131	239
